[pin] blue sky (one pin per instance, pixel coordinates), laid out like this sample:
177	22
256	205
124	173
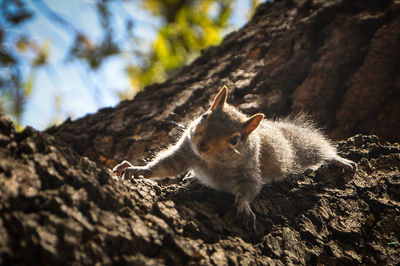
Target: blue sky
65	89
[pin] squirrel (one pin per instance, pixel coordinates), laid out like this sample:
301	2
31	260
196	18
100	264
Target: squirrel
229	151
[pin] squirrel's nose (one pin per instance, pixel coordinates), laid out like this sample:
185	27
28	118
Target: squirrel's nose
203	147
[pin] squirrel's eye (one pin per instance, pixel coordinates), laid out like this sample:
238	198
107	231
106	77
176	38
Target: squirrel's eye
204	116
235	140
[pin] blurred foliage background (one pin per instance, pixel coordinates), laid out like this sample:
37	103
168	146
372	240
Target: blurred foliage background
148	40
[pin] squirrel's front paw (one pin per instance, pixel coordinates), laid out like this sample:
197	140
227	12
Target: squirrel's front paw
119	168
136	172
245	214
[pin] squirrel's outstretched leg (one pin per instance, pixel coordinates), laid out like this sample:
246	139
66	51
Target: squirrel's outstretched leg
170	162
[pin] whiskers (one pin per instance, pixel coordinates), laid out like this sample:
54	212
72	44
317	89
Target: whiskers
236	151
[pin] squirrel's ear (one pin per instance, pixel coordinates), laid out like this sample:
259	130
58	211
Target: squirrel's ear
220	99
252	123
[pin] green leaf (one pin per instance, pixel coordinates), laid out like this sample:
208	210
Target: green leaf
29	83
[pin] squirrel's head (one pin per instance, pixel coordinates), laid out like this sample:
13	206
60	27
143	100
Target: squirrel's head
221	134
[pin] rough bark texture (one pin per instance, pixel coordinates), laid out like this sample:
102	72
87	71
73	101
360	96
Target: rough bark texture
337	60
59	208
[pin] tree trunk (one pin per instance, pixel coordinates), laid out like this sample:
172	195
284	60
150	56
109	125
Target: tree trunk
336	60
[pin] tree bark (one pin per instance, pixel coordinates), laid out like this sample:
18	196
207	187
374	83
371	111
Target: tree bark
337	60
